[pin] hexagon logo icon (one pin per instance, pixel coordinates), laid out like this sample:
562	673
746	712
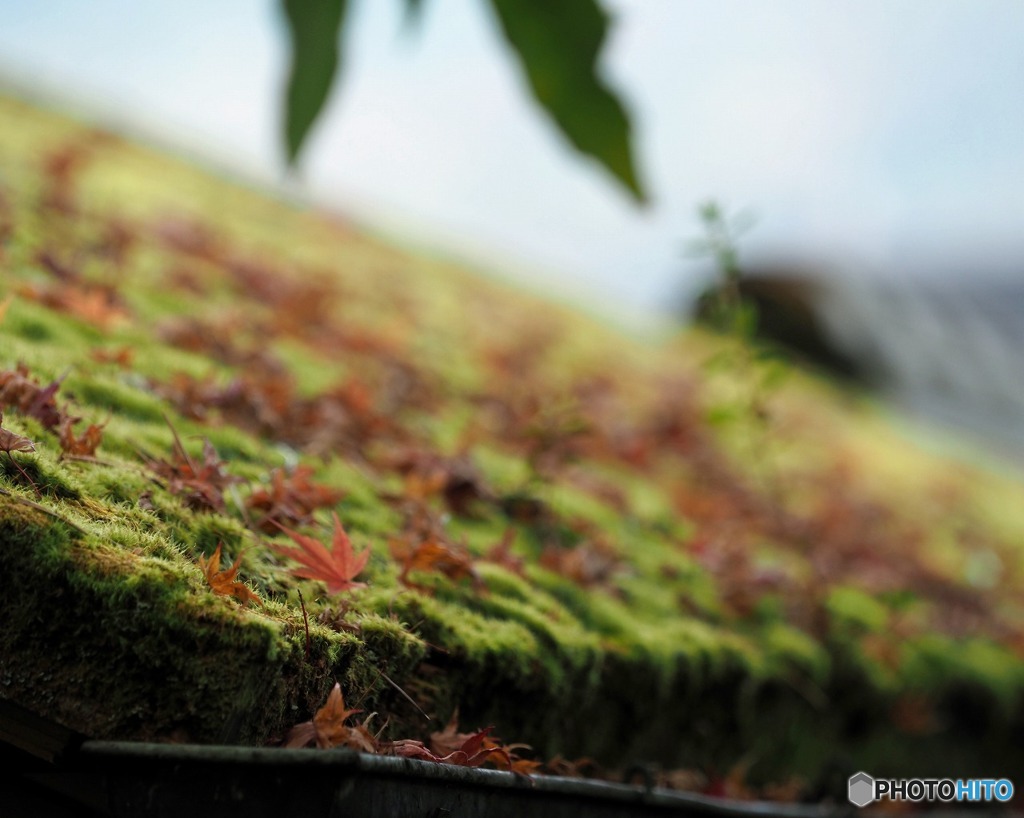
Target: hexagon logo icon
861	789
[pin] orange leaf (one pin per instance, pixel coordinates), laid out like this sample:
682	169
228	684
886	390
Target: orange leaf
328	728
337	567
122	356
331	731
97	304
84	445
432	554
224	582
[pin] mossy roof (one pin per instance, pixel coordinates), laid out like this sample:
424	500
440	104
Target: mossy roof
645	546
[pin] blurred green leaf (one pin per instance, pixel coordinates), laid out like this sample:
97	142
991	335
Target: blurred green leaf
558	42
413	12
314	27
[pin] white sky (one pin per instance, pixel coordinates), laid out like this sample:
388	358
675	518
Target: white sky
880	136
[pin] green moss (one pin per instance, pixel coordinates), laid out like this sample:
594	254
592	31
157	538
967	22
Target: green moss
789	649
224	670
36	325
116	485
204	531
33	471
732	621
856	612
120	398
934	662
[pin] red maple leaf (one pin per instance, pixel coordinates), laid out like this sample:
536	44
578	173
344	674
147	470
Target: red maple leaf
336	566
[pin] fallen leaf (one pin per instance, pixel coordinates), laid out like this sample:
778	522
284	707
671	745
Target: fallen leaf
501	553
573	768
221	339
121	356
97	304
337	566
61	169
328	729
433	554
474	750
18	391
224	582
428	473
64	272
689	780
291	499
191	238
732	785
83	445
450	739
13	442
202	484
587	564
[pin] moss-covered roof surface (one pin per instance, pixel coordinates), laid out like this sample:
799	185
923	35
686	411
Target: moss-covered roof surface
629	549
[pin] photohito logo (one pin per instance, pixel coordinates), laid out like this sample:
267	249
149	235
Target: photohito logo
863	789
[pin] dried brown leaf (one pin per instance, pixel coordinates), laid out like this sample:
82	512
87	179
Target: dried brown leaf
433	555
13	442
224	582
83	445
201	483
327	728
291	499
20	392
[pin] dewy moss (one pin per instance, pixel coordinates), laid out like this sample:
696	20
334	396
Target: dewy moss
635	590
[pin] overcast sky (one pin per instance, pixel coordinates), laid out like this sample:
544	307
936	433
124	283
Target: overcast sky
880	136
